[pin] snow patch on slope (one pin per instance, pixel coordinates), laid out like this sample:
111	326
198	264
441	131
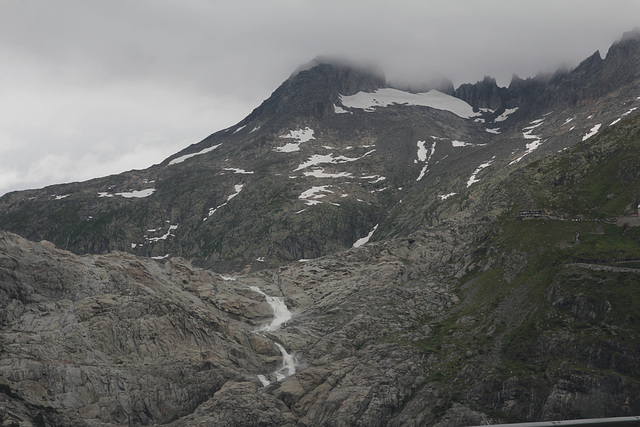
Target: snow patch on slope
422	151
623	115
472	178
365	239
446	196
240	171
527	134
188	156
592	132
238	188
300	135
320	173
368	101
319	159
165	236
339	110
461	144
312	195
425	155
135	194
504	116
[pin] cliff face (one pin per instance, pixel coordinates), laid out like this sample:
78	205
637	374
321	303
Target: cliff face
118	339
484	94
115	339
583	86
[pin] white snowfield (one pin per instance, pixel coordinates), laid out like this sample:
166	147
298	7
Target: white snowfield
504	116
319	159
425	155
592	132
461	144
365	239
368	101
472	178
527	134
320	173
289	147
164	236
136	194
312	195
300	135
240	171
422	151
446	196
623	115
238	188
188	156
375	178
339	110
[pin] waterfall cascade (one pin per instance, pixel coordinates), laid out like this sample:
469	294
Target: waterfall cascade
281	315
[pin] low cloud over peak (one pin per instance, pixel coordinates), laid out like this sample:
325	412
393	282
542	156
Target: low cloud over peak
84	74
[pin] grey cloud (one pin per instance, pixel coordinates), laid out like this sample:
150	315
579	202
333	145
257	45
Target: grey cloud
185	68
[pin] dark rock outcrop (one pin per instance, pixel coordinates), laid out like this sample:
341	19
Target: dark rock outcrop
483	94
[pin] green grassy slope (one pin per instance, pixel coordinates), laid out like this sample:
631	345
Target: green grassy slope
549	319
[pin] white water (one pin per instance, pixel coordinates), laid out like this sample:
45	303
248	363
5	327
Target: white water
281	315
289	364
265	382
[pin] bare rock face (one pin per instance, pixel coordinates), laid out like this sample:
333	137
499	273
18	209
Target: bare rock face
483	94
454	313
121	340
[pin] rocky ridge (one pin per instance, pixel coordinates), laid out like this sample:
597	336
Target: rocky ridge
266	191
92	336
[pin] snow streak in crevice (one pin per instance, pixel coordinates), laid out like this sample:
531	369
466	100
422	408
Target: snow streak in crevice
425	155
472	178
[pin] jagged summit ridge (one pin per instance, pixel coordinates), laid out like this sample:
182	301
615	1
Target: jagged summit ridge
350	77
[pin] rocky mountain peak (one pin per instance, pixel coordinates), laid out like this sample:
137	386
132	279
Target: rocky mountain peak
441	84
596	76
633	35
623	59
591	64
483	94
348	78
313	89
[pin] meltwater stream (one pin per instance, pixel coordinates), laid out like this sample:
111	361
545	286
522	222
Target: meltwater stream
281	315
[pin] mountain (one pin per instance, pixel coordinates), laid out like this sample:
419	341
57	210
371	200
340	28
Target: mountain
322	162
348	254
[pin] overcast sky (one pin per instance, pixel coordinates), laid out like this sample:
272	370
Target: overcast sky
95	87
